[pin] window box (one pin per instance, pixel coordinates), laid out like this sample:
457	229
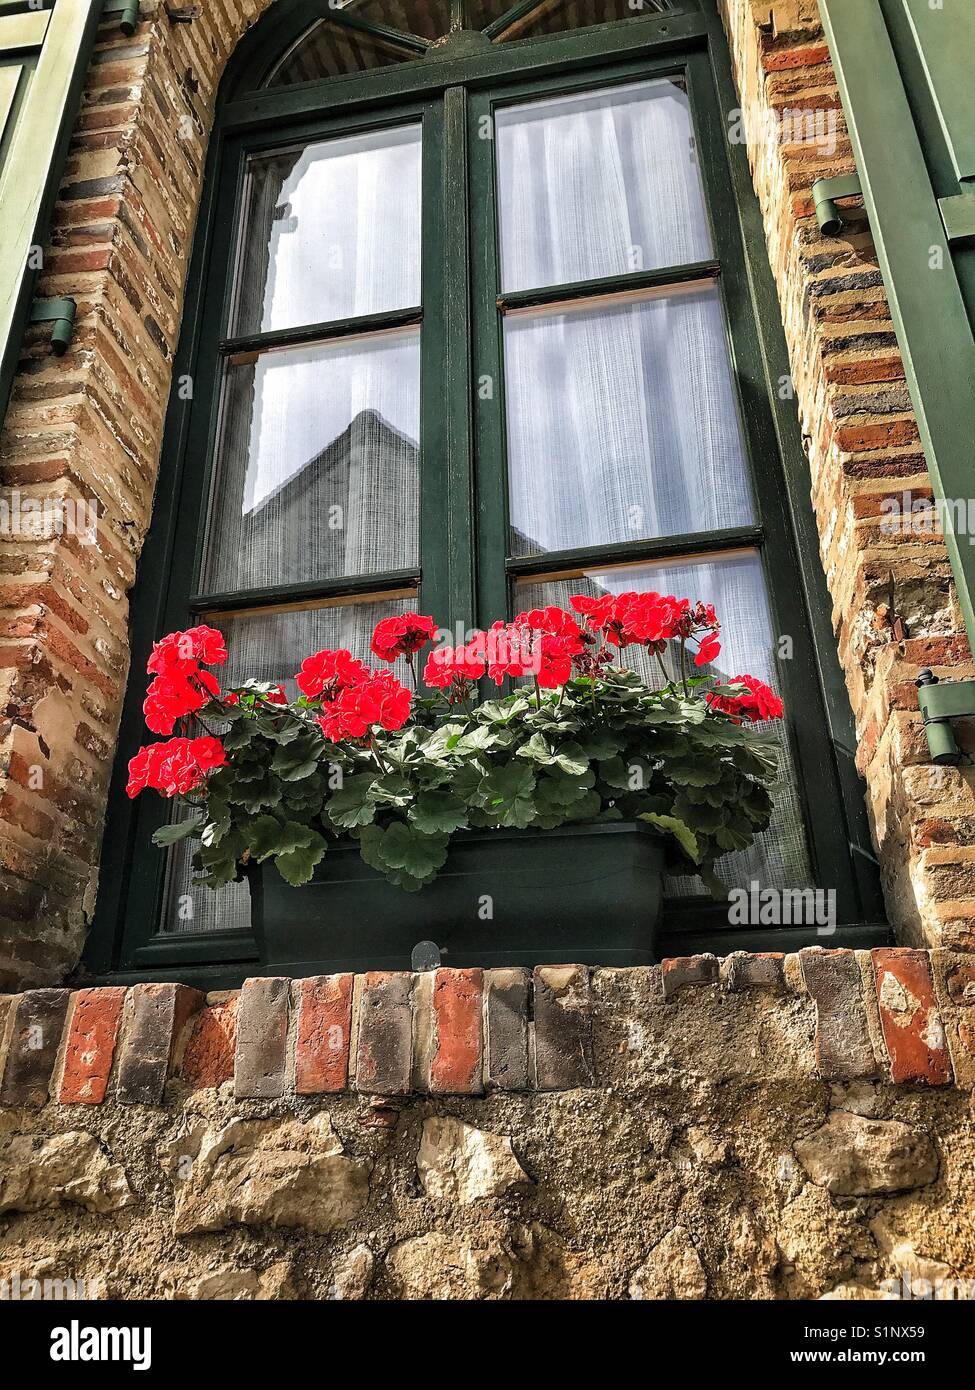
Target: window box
589	894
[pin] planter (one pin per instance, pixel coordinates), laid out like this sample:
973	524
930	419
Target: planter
588	895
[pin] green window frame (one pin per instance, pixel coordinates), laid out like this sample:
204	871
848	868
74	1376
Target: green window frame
466	570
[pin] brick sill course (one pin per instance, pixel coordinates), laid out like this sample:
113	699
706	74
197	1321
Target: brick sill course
897	1014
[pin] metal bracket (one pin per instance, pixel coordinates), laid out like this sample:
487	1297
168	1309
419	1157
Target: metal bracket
128	11
939	704
958	215
825	193
60	312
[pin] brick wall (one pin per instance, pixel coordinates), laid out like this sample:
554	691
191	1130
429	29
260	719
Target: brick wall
89	425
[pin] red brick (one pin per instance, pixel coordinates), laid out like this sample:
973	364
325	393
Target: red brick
324	1034
458	1041
679	971
92	1035
209	1056
909	1015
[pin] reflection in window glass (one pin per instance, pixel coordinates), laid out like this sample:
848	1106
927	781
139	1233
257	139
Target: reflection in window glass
331	231
622	422
318	466
267	647
735	584
599	183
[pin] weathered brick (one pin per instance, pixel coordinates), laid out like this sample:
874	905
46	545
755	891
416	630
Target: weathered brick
261	1061
844	1051
455	1068
208	1060
909	1015
762	970
92	1035
324	1034
563	1027
156	1015
506	1031
33	1046
384	1054
688	970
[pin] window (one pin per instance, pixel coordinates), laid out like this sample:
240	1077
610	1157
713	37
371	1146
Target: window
474	346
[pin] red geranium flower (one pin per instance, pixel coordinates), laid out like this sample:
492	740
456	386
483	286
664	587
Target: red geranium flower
329	671
402	635
709	650
176	767
759	702
183	650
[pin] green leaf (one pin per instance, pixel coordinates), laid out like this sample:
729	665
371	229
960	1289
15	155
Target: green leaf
506	793
297	866
353	803
178	830
404	847
438	812
297	759
680	830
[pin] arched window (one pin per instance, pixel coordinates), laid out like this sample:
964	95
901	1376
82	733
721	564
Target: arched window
472	325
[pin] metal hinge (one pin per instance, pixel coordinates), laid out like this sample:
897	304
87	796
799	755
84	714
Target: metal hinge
60	312
128	12
825	193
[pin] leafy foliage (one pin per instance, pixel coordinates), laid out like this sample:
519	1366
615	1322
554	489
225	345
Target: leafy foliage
603	748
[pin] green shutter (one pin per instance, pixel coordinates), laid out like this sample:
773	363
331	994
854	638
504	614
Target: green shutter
904	69
43	57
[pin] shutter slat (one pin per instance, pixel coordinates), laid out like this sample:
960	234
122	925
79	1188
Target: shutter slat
945	37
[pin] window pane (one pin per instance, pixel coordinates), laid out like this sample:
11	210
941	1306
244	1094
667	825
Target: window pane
734	583
599	183
331	231
268	647
318	465
332	50
622	421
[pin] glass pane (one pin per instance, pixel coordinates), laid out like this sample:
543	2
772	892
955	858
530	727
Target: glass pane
270	647
430	19
599	183
622	421
735	584
331	231
332	50
555	16
318	464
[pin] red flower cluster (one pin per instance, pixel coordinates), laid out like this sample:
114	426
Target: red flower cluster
759	703
181	685
454	669
402	635
353	697
652	620
176	767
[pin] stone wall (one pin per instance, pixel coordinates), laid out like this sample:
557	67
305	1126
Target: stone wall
794	1127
